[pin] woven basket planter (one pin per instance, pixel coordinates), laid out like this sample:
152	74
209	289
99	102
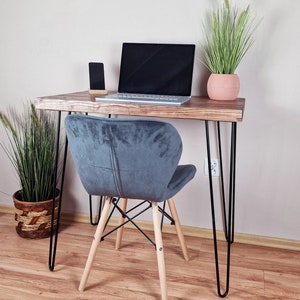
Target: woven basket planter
33	219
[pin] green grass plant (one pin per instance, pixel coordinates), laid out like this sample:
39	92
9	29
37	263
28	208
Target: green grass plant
31	150
228	36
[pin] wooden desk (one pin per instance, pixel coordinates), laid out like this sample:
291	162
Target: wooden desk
198	108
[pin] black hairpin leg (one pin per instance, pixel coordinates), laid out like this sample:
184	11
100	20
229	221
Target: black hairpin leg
54	231
91	210
163	215
228	222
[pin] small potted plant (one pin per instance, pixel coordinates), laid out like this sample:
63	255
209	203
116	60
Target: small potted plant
228	37
32	152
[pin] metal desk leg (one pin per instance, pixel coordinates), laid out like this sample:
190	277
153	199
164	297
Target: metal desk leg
228	222
54	231
99	210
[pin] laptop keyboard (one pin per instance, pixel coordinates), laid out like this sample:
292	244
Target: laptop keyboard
145	98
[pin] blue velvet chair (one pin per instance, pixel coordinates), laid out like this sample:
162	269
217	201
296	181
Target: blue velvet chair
129	159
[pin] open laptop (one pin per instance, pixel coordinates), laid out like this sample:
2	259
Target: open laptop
155	74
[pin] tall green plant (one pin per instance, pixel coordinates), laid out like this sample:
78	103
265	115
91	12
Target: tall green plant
31	150
228	36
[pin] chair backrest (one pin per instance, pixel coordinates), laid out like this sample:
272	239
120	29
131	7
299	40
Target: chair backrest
128	158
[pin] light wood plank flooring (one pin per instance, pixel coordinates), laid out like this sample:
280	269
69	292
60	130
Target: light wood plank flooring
131	273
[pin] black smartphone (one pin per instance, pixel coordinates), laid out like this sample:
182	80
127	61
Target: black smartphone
96	71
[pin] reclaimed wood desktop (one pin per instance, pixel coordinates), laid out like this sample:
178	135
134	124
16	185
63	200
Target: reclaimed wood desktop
198	108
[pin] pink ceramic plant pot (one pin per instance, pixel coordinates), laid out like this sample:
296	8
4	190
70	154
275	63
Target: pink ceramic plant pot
223	86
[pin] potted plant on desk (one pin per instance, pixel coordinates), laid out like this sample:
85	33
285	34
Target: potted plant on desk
228	37
32	152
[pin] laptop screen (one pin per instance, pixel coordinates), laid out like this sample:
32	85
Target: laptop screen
163	69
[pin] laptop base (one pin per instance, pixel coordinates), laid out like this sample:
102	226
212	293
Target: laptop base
144	99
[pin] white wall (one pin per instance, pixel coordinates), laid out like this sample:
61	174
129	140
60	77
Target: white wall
45	48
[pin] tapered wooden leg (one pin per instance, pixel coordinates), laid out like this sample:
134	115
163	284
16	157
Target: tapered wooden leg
121	221
95	243
178	228
159	251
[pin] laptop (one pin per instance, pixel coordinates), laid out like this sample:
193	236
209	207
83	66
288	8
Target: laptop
154	74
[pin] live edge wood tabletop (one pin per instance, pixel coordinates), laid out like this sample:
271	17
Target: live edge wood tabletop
198	108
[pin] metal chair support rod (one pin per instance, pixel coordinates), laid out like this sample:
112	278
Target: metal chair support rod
129	219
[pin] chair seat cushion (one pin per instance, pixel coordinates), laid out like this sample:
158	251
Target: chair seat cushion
183	174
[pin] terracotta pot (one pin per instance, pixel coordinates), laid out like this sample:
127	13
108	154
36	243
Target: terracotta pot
223	86
33	219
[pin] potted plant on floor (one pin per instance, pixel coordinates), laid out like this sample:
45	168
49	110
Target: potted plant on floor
228	37
32	150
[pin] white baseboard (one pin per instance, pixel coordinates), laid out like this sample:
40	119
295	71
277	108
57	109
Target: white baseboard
188	231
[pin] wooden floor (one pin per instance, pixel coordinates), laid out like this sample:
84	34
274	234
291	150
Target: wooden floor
131	273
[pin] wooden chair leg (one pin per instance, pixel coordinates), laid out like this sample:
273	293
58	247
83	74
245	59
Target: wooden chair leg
159	251
95	243
178	228
121	221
